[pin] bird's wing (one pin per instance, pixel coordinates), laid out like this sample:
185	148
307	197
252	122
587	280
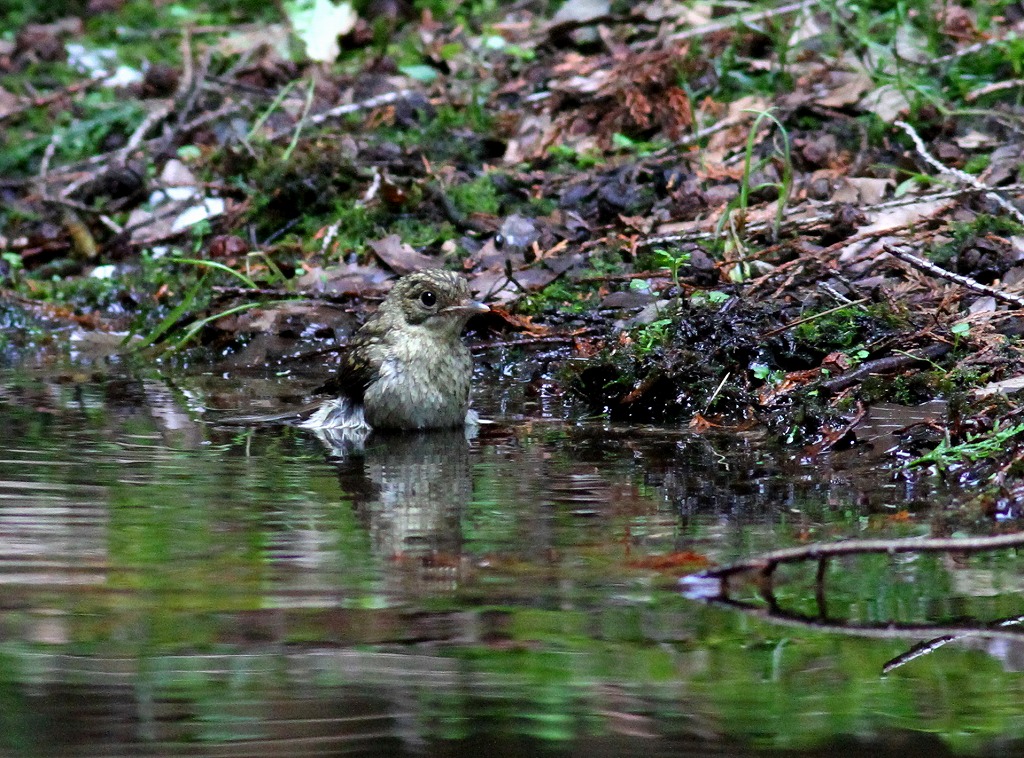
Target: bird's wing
360	365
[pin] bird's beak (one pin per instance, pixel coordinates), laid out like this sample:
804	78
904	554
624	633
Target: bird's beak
468	307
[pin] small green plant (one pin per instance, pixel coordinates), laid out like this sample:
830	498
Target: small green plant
767	374
673	261
836	328
708	297
784	185
960	329
974	448
652	335
857	355
640	147
585	159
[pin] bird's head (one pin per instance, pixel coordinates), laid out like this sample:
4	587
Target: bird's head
435	299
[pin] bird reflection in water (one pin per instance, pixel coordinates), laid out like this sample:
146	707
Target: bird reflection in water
409	491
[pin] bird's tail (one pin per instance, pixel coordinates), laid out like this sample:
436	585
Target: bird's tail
336	413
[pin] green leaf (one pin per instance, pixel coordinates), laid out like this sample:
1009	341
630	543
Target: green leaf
420	73
622	142
219	267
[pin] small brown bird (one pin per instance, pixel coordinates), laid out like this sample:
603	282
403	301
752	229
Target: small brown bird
406	367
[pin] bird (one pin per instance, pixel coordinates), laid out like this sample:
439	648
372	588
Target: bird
407	367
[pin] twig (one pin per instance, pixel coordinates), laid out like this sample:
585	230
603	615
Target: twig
51	148
812	317
373	102
49	97
961	176
883	366
930	646
824	214
739	18
988	89
192	80
200	120
878	630
976	47
170	31
767	563
153	118
964	281
552	338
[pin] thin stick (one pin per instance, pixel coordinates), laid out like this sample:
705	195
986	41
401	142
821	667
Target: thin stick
49	97
51	148
930	268
883	366
767	563
739	18
961	176
373	102
812	317
930	646
988	89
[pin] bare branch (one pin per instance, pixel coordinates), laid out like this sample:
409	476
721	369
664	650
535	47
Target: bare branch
927	266
768	562
960	176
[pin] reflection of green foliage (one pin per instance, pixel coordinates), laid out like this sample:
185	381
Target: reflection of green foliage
194	538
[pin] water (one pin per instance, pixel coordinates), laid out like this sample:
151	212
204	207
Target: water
172	586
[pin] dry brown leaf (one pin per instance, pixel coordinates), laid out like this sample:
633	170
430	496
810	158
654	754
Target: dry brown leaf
400	257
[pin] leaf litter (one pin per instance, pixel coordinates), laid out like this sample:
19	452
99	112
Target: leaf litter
607	175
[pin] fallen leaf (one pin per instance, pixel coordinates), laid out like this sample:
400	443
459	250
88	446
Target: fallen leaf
347	279
319	23
520	323
400	257
8	102
860	190
887	102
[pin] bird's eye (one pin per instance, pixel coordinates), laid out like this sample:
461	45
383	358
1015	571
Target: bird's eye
428	298
499	241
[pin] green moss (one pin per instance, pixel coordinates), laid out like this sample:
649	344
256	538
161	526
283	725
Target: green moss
542	206
959	379
840	329
453	135
559	297
477	196
965	233
80	133
566	158
977	164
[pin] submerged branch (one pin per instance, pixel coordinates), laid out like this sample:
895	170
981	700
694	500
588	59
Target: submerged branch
767	563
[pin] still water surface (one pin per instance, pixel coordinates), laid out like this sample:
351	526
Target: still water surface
175	586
